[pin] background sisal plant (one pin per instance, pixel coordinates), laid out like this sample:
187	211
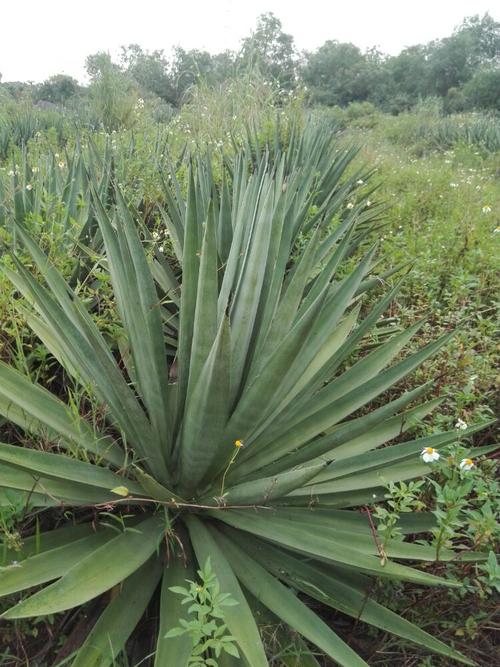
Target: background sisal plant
231	421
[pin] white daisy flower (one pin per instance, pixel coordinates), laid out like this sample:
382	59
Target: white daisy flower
486	209
466	464
461	425
429	454
29	187
350	205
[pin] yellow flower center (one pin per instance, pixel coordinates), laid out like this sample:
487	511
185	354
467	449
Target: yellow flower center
238	443
468	462
429	450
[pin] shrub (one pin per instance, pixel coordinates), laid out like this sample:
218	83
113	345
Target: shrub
482	91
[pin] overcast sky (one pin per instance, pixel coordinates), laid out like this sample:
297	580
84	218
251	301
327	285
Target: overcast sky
39	38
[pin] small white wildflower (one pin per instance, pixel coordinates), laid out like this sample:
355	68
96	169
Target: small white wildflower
155	235
160	248
60	164
461	425
486	209
429	454
350	205
496	230
466	464
56	155
453	185
29	187
360	181
11	173
35	170
368	204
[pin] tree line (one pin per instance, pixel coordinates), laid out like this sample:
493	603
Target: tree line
462	69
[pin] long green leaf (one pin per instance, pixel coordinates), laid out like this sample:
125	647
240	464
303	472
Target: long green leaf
116	623
240	622
138	305
50	564
173	650
62	466
203	446
329	415
51	491
333	589
302	537
98	572
34	408
282	602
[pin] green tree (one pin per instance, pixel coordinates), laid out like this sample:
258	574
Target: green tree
339	73
112	92
409	71
194	66
272	51
483	90
150	69
188	68
57	89
455	59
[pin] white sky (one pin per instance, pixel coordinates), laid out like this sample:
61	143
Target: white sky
39	38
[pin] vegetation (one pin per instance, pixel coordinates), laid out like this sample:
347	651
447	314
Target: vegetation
461	70
247	375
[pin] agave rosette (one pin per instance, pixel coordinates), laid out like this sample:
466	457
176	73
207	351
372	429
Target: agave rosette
232	425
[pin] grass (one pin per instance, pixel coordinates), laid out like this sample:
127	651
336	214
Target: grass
443	216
